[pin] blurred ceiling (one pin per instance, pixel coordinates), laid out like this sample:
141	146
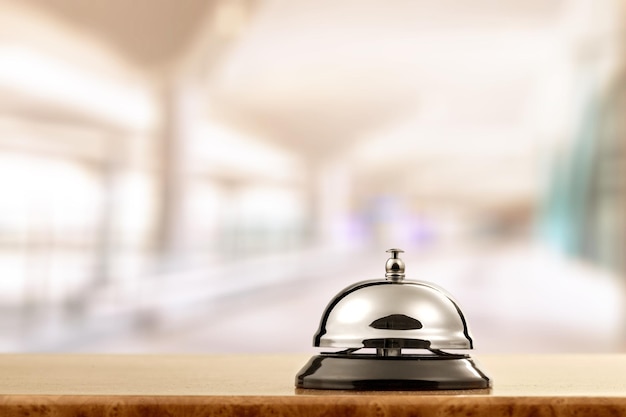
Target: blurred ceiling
147	32
321	75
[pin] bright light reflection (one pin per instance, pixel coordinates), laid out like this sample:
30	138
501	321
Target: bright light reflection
24	70
353	311
219	149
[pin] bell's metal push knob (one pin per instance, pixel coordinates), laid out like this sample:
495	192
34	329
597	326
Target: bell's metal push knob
394	268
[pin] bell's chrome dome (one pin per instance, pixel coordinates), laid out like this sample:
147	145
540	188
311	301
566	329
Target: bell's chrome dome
392	313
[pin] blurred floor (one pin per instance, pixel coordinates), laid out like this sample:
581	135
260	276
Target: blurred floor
516	299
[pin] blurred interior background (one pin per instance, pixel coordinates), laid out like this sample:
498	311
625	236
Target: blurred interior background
203	176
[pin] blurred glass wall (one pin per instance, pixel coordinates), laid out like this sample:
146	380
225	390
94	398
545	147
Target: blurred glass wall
205	175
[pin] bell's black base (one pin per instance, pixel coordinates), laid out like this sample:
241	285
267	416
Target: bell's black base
391	373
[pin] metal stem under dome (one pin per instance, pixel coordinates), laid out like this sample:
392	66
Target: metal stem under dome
388	352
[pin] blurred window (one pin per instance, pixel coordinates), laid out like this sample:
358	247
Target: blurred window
50	225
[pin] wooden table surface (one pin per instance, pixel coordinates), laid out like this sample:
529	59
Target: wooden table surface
202	385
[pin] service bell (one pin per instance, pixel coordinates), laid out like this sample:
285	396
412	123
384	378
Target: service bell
405	325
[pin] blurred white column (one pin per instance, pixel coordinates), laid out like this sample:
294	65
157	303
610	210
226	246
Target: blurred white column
183	106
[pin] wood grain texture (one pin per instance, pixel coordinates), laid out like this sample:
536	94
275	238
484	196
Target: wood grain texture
366	406
221	385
